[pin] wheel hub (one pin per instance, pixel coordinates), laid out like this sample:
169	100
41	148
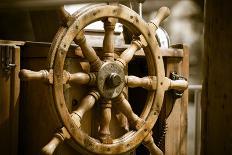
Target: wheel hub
113	80
110	80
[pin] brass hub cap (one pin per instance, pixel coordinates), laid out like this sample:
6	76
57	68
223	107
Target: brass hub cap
110	80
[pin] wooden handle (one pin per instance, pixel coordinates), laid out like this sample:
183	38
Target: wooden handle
28	75
149	143
50	148
162	14
178	85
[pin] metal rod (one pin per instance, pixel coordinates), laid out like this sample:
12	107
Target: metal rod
141	9
195	87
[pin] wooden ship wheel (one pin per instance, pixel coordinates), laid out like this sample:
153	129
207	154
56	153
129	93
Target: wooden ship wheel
107	79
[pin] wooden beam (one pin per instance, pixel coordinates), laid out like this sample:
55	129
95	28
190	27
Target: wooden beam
217	87
45	3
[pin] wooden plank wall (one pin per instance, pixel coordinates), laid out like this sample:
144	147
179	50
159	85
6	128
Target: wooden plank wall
217	88
9	104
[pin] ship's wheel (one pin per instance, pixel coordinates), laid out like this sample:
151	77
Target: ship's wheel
107	79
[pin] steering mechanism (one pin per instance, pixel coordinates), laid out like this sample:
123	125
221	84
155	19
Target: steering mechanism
107	79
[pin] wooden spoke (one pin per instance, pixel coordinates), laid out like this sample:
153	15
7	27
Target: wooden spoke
104	132
44	75
149	143
81	78
108	42
85	105
124	106
88	52
148	82
122	120
128	54
28	75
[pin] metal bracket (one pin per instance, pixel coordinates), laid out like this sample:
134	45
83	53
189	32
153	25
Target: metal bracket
6	52
175	76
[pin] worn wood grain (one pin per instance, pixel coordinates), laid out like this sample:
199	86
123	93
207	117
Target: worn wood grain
217	87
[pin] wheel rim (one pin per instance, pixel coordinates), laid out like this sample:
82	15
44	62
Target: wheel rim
155	66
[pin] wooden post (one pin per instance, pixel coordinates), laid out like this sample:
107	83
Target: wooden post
217	85
9	100
176	134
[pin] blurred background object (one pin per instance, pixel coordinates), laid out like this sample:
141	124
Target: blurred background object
185	25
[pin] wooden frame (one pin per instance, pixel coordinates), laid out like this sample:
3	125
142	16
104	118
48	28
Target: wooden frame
9	100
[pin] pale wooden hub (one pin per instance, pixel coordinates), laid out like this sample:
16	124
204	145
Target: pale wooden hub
110	80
